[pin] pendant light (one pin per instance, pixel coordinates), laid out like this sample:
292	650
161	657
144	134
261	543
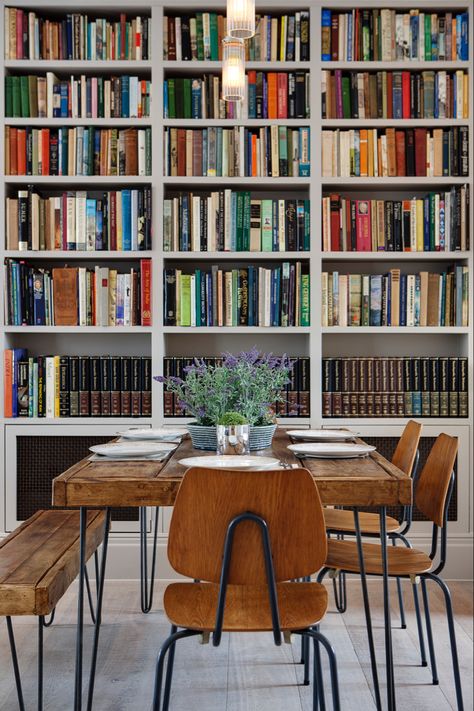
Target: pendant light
233	69
241	18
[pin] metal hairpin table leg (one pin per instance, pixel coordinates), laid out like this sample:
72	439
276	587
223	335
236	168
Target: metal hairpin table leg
386	604
80	610
146	589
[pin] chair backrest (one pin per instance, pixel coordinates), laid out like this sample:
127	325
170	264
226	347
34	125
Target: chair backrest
209	499
407	447
433	482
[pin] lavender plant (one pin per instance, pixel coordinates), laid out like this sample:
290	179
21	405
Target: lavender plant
249	383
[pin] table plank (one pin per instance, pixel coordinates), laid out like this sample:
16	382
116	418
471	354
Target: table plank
372	481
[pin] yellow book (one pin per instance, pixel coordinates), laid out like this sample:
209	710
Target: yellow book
419	226
56	386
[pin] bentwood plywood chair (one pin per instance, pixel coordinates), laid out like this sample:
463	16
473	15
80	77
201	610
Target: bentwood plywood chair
432	496
245	536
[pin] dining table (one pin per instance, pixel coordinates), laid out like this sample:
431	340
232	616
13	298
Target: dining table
370	481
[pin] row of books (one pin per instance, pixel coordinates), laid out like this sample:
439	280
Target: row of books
436	222
396	299
31	96
400	387
81	151
77	36
397	94
363	35
76	386
272	151
269	95
233	221
392	152
77	296
199	37
296	394
80	220
248	296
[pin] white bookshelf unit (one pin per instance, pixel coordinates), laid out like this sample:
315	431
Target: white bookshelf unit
314	341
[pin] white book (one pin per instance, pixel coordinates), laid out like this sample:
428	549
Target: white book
421	37
459	79
51	80
134	219
179	49
196	223
327	140
102	289
83	107
138	48
81	232
211	228
297	36
133	97
141	152
343	282
127	299
411	280
31	37
436	224
267	297
81	278
50	386
281	225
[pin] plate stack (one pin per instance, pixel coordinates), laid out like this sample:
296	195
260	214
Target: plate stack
331	450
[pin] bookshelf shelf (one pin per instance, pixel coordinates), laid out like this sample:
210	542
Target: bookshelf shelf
72	65
397	330
396	66
115	330
71	254
174	67
405	123
406	182
285	421
75	421
235	256
257	181
393	256
237	329
226	123
332	422
78	179
96	122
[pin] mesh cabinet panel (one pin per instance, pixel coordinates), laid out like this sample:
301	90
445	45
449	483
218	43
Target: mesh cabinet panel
40	460
386	447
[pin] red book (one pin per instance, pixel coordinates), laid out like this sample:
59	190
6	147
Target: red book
282	95
45	151
8	383
406	94
13	134
197	153
420	152
181	151
171	38
400	152
254	155
123	25
272	79
145	291
21	152
334	36
335	208
113	220
363	226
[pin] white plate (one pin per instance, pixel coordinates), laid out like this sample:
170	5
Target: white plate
330	450
132	449
157	434
230	461
321	435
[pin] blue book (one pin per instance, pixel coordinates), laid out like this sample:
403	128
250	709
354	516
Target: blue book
89	41
18	354
442	316
252	100
99	226
63	99
414	27
219	152
397	97
269	41
165	100
326	23
458	37
126	220
464	37
416	383
265	95
349	37
389	299
185	226
69	36
196	99
125	92
273	298
38	299
375	318
403	299
426	224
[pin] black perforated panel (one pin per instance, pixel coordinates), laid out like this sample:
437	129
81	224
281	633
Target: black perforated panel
386	447
40	460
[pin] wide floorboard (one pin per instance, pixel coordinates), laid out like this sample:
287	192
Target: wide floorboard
247	672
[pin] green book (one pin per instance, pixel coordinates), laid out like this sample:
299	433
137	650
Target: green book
365	300
346	98
187	98
197	275
267	225
185	300
179	97
171	99
199	37
148	151
239	222
427	37
305	300
246	222
283	151
33	96
16	100
8	95
235	296
214	37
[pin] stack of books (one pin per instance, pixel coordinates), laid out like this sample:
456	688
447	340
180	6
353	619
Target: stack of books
199	37
437	222
233	221
76	386
396	299
363	35
81	151
31	96
400	387
390	152
296	395
269	95
80	220
245	296
273	151
28	36
398	95
77	296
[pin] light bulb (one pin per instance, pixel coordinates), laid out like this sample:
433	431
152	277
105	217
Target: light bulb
233	69
241	18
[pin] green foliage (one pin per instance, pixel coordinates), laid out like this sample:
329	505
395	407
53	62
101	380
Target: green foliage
232	418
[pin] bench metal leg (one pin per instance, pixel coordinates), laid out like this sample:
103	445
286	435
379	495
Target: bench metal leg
146	588
386	604
80	609
48	623
40	662
16	668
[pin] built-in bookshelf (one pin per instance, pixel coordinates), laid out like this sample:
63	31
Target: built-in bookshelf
211	172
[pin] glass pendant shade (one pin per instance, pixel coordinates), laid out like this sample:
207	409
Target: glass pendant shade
241	18
233	69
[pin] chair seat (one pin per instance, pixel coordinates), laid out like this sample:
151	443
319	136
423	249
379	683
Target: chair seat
340	520
247	609
342	555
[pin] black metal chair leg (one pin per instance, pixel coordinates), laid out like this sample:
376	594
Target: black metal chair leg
419	625
452	637
89	595
147	588
169	642
403	623
320	638
429	632
169	672
16	668
318	692
100	596
340	592
305	646
40	662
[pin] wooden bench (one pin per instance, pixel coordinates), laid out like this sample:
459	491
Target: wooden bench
38	562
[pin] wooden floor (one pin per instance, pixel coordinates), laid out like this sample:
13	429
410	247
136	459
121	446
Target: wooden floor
246	673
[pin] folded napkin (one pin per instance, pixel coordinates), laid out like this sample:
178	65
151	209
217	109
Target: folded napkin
159	457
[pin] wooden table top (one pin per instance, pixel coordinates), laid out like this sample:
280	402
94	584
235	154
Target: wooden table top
372	481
